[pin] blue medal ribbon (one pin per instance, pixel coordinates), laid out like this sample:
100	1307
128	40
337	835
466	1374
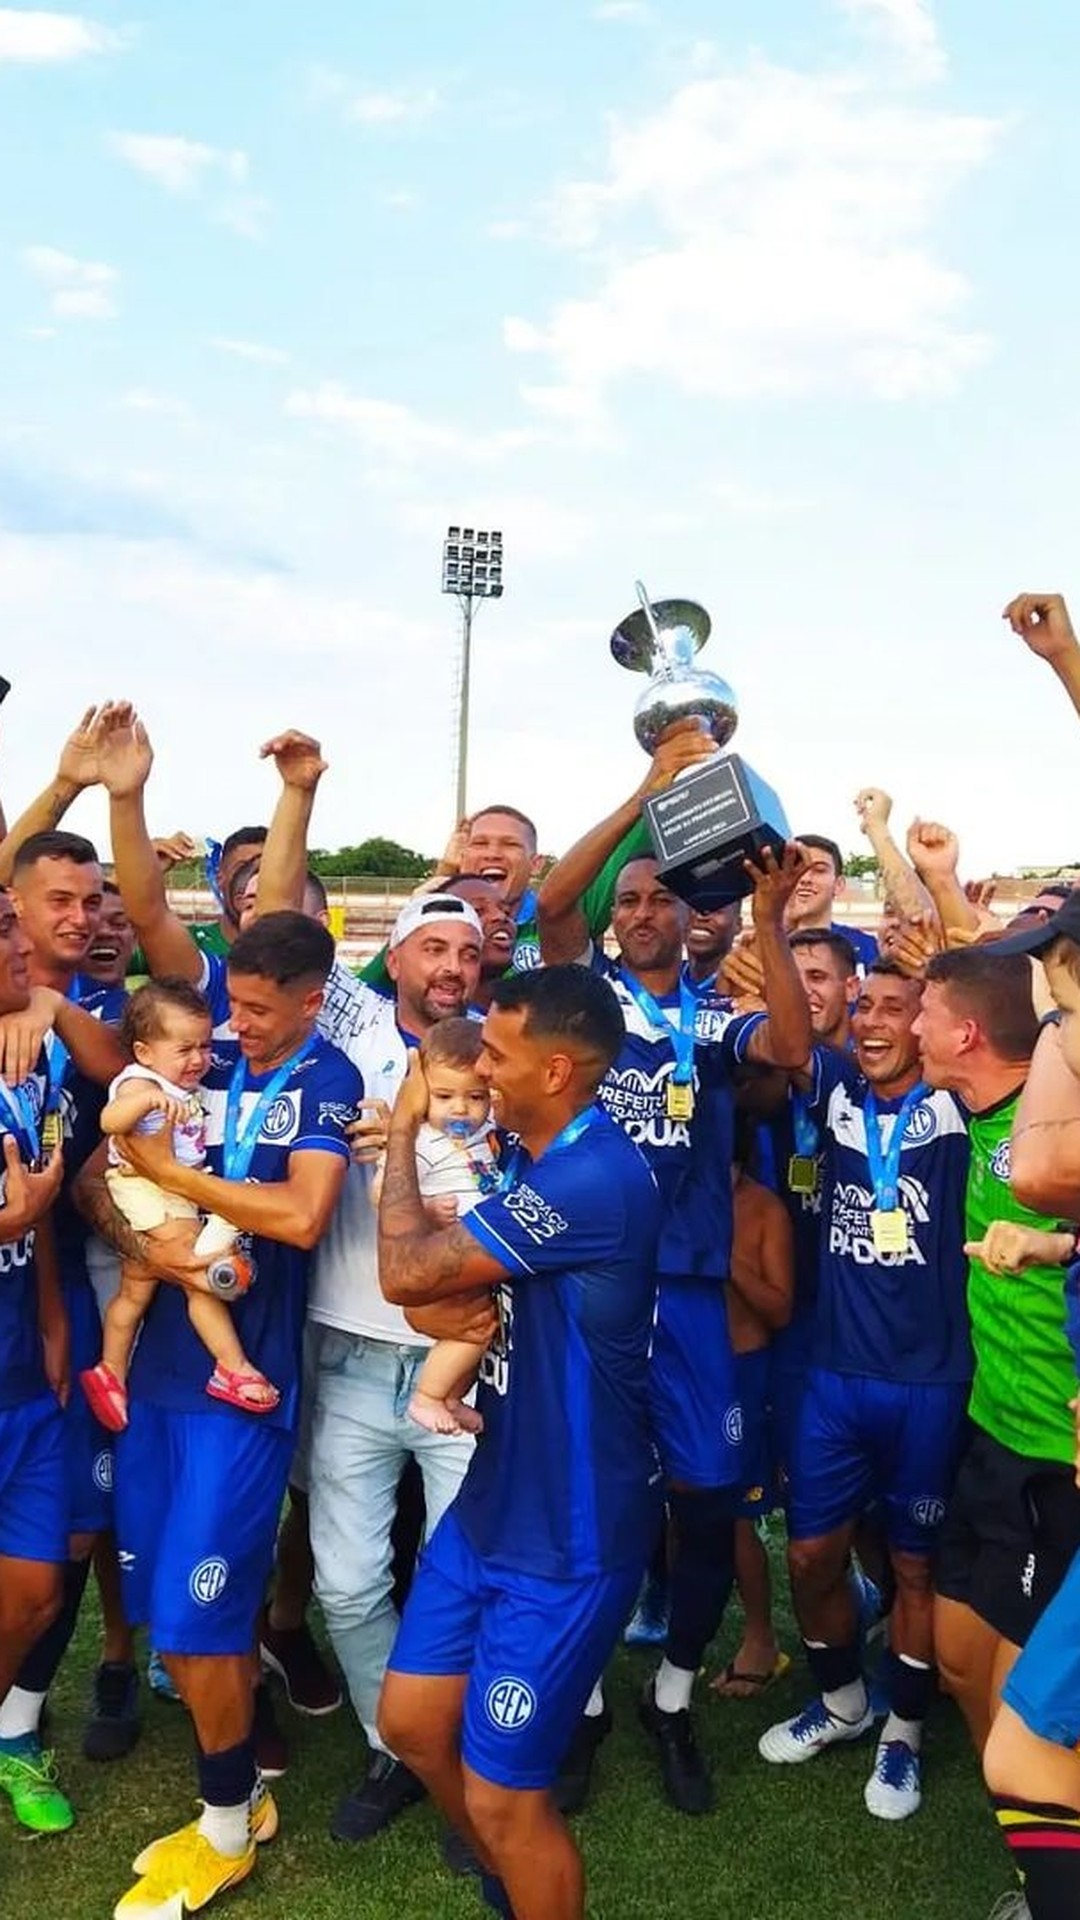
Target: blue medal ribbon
682	1036
57	1054
885	1166
805	1128
572	1131
240	1143
24	1121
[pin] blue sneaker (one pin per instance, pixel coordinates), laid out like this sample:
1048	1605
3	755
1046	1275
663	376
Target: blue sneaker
648	1624
160	1681
894	1789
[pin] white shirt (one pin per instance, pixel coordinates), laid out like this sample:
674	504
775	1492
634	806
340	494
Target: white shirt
442	1167
188	1139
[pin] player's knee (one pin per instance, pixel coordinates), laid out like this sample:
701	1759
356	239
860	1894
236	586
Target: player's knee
815	1566
31	1601
494	1812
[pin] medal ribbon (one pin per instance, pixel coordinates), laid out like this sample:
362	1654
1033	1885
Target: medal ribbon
572	1131
682	1035
240	1144
25	1127
885	1166
807	1136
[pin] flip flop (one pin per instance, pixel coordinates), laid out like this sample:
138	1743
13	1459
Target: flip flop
756	1682
225	1384
106	1397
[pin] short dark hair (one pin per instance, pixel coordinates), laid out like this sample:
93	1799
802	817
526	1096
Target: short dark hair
822	844
110	886
838	944
568	1002
891	969
515	813
243	837
995	990
454	1042
314	886
56	845
283	947
141	1019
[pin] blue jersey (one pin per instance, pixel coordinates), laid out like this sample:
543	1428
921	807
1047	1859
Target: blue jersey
895	1316
691	1159
80	1102
865	945
310	1114
22	1367
559	1485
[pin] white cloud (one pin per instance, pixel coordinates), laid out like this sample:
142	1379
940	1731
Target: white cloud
148	400
373	106
175	163
396	434
35	38
77	289
254	351
908	28
764	232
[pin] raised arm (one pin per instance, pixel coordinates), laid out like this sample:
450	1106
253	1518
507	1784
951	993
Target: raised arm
899	878
784	1038
1045	1148
77	769
283	865
934	852
1043	624
126	758
561	905
295	1210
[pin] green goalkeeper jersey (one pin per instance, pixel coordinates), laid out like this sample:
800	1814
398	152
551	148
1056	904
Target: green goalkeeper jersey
1024	1370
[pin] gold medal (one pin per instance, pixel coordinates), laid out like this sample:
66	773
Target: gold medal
51	1132
680	1100
890	1230
802	1173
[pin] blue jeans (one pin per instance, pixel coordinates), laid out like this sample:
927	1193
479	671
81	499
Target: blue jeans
360	1438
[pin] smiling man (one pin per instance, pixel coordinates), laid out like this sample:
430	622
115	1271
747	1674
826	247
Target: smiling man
817	893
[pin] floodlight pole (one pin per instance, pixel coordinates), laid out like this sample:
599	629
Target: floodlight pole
472	571
466	603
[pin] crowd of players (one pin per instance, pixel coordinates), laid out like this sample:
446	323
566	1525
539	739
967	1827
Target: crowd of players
749	1216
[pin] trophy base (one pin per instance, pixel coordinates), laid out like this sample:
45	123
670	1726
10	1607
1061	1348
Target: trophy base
707	824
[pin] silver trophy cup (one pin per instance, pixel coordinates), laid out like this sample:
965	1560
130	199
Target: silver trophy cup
718	815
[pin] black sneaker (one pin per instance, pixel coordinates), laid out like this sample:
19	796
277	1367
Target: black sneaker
385	1791
686	1778
271	1748
570	1790
113	1726
292	1654
458	1856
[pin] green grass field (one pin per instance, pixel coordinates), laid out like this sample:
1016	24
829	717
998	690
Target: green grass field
782	1842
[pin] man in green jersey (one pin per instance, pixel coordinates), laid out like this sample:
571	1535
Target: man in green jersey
1013	1523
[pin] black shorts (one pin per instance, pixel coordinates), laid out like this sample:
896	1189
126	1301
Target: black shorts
1009	1534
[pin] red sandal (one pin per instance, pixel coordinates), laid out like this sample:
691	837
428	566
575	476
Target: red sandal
106	1395
225	1384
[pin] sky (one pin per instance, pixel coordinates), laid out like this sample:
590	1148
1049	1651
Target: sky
771	305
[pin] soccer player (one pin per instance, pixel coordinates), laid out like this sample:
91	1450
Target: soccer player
814	898
108	957
674	1097
709	938
882	1412
34	1373
526	1582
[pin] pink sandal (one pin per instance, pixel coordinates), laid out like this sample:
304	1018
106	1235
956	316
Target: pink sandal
106	1395
234	1388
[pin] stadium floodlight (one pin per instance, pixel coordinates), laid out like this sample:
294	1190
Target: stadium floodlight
472	570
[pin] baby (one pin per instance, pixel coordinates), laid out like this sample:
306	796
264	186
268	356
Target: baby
166	1029
455	1156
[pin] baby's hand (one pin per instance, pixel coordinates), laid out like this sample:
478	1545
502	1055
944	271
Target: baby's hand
177	1112
441	1210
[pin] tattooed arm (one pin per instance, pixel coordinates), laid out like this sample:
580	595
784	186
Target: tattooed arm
419	1264
94	1201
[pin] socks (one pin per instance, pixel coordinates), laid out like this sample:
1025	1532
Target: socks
702	1571
672	1688
847	1703
839	1679
227	1781
909	1684
1045	1845
20	1714
40	1665
495	1896
594	1705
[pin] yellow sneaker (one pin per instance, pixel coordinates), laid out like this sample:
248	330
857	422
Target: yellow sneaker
185	1873
264	1826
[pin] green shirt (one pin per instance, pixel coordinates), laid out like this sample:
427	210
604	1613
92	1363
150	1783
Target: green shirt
1024	1370
207	936
596	904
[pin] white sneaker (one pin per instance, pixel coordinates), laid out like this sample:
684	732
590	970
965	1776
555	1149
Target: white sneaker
815	1728
1011	1906
894	1789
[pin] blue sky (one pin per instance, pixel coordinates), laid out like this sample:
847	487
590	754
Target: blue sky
774	305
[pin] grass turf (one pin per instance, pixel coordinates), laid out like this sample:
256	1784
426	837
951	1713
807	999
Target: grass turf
783	1844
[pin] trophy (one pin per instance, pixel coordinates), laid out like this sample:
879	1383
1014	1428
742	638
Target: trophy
720	813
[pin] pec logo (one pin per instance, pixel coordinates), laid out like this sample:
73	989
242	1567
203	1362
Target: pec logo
733	1425
509	1704
102	1471
208	1579
1001	1164
921	1124
279	1118
927	1511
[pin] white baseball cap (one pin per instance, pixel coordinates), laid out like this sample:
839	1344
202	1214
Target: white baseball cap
425	908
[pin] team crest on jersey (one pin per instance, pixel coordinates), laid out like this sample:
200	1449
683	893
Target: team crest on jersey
526	956
927	1510
1001	1163
921	1124
509	1704
733	1425
102	1470
282	1121
208	1580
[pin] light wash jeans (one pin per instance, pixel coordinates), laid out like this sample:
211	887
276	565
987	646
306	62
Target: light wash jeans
360	1436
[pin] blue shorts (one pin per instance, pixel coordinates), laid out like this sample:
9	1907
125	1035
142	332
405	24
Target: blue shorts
862	1440
790	1354
532	1649
198	1499
88	1447
758	1495
33	1491
693	1391
1044	1686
